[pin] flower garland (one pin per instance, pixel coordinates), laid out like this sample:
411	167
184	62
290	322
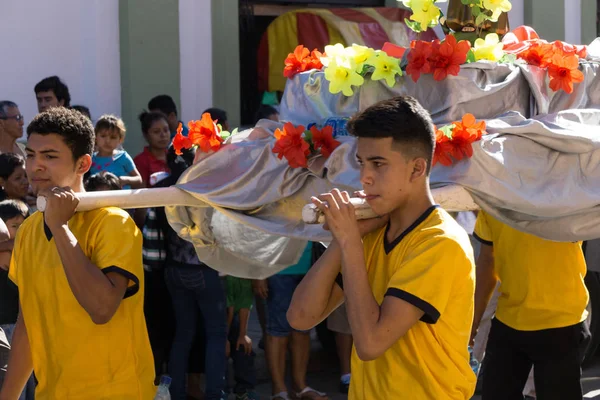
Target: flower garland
205	134
296	144
455	141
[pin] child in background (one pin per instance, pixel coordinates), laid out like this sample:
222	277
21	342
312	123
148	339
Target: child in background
239	346
110	133
102	181
12	214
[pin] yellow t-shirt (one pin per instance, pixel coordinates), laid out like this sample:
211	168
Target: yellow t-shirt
430	266
541	281
73	358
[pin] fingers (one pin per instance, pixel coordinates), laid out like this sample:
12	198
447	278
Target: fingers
360	193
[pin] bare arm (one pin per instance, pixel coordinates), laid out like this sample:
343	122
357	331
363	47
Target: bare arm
20	365
98	293
486	283
134	179
244	316
374	328
318	294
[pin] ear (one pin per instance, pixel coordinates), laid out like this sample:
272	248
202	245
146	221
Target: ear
419	169
83	165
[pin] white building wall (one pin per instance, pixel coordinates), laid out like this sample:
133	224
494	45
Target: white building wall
76	40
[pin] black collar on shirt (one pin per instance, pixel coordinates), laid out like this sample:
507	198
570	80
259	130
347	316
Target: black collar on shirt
47	231
388	247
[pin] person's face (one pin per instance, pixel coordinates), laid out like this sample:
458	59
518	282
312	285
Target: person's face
16	185
171	118
50	163
47	100
13	225
159	135
107	141
12	123
387	176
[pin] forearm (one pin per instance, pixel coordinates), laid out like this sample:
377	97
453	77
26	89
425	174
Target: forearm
91	287
315	293
20	365
133	181
484	289
244	316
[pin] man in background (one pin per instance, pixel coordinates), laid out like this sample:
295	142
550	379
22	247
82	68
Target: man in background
11	128
52	92
164	103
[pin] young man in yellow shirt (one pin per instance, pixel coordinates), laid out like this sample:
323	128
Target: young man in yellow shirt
81	325
409	282
540	315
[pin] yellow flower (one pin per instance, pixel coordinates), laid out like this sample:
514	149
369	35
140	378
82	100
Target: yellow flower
425	12
386	67
489	49
360	55
341	74
333	51
497	7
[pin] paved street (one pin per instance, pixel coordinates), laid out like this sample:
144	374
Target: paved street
323	371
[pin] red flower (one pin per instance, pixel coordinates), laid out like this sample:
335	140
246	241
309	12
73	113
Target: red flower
447	57
417	58
538	54
181	142
314	61
563	71
443	149
301	60
291	145
204	133
323	139
569	49
469	128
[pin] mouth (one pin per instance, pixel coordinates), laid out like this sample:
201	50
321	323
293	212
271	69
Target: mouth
39	180
371	197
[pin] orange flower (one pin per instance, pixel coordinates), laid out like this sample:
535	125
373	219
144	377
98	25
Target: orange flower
301	60
323	139
447	57
420	51
181	142
204	134
569	49
563	71
456	142
443	149
314	62
291	145
538	54
469	128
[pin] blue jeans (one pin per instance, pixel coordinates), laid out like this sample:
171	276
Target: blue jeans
29	390
243	364
281	290
192	290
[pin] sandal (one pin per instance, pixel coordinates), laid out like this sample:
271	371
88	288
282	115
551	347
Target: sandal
309	393
280	396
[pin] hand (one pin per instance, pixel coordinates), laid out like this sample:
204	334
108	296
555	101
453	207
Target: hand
60	206
260	288
246	343
366	226
227	349
339	215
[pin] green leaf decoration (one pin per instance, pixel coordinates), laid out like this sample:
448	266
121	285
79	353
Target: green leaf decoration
465	2
480	19
509	59
475	11
470	56
447	130
415	26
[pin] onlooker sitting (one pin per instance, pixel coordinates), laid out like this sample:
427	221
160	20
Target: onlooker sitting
11	128
110	133
102	181
13	179
51	92
164	104
239	345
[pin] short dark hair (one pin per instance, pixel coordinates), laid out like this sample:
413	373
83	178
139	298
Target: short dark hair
111	123
13	208
4	104
264	112
53	83
403	119
96	181
164	103
82	109
148	118
217	114
75	129
178	164
8	163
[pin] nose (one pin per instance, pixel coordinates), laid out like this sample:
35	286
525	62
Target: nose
366	178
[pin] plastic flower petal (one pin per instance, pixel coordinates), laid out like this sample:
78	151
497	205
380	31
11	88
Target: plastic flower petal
563	72
425	12
314	61
497	7
291	145
323	139
420	51
443	149
181	142
538	54
205	134
489	49
447	57
386	67
360	55
342	75
296	62
333	51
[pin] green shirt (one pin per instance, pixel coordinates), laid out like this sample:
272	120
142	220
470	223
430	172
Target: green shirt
239	293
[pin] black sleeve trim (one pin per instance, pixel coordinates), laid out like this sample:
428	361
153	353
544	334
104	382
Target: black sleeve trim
131	290
482	241
340	281
431	315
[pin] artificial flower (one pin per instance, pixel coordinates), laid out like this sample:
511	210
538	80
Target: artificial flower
469	128
296	62
538	54
569	49
447	57
323	140
205	134
360	55
417	57
443	149
181	142
385	67
497	7
425	12
291	145
489	49
563	72
341	74
333	52
314	61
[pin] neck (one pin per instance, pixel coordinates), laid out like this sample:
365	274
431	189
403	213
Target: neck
7	144
161	154
104	154
78	186
403	217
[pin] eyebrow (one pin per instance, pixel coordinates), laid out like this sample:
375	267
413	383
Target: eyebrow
43	151
373	158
